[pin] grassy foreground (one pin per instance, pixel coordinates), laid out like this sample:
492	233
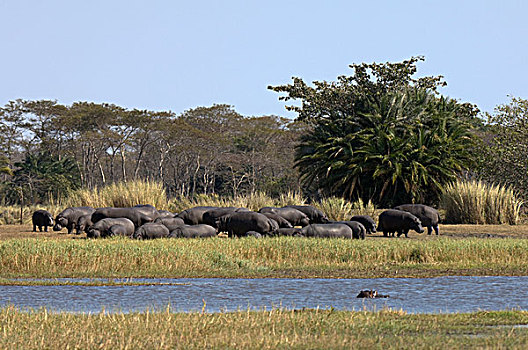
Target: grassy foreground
464	253
318	329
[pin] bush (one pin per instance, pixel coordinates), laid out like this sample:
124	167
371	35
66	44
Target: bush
475	202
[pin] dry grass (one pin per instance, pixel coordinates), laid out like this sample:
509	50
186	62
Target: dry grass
475	202
278	328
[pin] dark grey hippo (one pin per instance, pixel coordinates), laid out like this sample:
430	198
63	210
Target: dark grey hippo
83	224
151	230
282	222
194	216
41	218
68	217
193	231
370	294
170	223
291	232
315	215
392	220
211	216
253	234
294	216
148	210
238	223
101	228
328	231
429	216
138	216
165	214
357	227
367	221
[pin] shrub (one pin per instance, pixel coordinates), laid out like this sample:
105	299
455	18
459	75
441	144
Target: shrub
475	202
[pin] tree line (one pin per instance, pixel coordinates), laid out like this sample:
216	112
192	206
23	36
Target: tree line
379	134
49	149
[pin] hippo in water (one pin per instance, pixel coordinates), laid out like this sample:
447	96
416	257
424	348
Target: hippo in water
370	294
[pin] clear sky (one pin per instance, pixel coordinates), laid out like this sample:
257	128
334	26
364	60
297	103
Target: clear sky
177	55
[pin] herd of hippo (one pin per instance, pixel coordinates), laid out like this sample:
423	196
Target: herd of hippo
146	222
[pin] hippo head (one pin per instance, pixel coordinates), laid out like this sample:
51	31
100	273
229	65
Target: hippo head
138	234
93	232
60	222
416	225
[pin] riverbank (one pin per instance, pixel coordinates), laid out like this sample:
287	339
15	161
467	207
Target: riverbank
276	328
460	250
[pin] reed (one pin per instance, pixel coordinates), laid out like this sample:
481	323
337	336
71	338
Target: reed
335	208
475	202
270	257
264	329
123	194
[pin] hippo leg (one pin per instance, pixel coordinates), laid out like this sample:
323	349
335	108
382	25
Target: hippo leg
385	234
45	228
436	229
34	228
70	228
429	230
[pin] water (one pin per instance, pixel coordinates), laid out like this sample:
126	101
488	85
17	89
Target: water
414	295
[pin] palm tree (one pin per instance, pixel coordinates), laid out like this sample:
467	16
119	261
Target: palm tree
409	145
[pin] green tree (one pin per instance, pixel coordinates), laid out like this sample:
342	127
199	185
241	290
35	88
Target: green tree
380	134
42	175
505	159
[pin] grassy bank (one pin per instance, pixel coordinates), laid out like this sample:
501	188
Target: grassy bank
265	329
270	257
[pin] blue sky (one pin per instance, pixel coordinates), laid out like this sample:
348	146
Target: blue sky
177	55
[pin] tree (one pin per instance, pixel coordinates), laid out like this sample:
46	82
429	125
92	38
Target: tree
505	159
380	134
42	175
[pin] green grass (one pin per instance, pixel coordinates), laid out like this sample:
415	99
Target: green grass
284	329
270	257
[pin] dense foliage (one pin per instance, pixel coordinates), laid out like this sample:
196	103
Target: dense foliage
506	150
54	148
380	134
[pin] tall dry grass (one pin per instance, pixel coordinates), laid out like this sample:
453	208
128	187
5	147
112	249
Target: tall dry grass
123	194
475	202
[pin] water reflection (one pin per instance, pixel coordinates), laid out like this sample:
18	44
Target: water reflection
414	295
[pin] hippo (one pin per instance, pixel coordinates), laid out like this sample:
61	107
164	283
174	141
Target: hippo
83	224
193	231
68	217
100	229
392	220
138	215
165	214
118	230
253	234
238	223
292	232
294	216
194	216
358	230
282	222
428	216
41	218
151	230
370	294
170	223
211	216
328	231
148	210
315	215
367	221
